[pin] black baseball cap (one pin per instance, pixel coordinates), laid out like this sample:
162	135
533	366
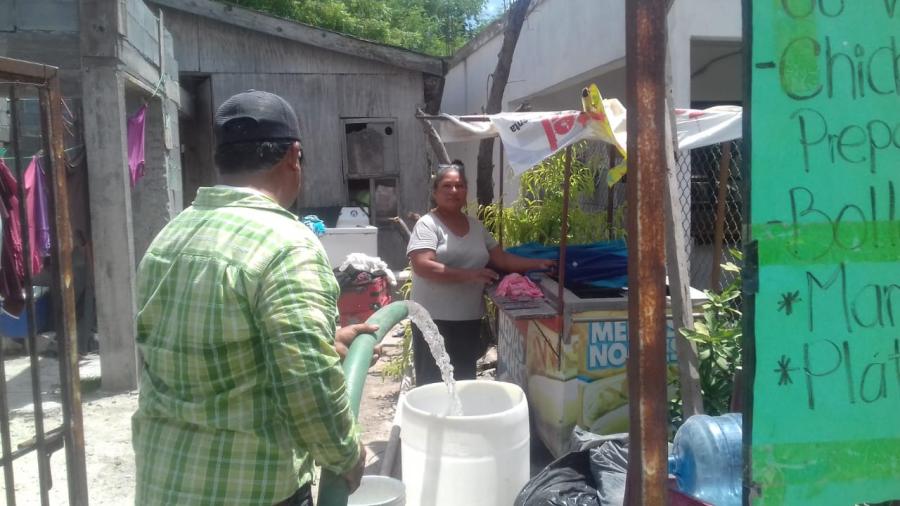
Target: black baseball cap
254	116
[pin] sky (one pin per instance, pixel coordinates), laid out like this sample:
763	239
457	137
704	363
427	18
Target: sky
493	7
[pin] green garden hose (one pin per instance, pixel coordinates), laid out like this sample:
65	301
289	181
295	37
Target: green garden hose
332	488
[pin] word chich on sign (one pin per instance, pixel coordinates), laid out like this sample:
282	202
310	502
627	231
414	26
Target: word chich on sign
823	135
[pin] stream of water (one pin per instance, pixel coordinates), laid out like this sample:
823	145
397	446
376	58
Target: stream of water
419	315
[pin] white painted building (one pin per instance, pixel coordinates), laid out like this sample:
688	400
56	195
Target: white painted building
567	44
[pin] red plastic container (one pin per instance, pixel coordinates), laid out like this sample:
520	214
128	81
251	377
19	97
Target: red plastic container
357	303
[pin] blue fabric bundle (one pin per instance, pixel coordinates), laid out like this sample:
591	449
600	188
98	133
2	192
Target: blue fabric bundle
599	265
315	224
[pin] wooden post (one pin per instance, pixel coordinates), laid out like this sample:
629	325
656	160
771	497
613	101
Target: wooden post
679	291
677	268
721	201
610	194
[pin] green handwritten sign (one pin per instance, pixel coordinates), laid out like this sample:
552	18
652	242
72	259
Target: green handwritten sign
824	145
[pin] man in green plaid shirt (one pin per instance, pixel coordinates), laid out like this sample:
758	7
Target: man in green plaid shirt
242	388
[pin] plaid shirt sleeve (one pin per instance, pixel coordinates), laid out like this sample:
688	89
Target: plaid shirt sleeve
296	308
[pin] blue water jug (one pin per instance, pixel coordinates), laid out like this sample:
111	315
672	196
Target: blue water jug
706	458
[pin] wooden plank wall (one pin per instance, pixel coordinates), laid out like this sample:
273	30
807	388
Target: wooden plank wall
324	87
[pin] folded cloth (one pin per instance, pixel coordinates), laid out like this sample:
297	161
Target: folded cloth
363	262
518	287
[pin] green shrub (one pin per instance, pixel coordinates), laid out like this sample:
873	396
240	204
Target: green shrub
536	216
717	336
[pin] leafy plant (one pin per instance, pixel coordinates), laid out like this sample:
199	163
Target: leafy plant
536	216
717	336
431	26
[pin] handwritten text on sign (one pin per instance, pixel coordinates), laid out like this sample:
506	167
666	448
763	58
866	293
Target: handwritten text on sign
825	172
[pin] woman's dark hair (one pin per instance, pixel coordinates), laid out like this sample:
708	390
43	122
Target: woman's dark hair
246	157
444	169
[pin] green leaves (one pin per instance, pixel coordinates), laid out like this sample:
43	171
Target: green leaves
718	339
536	216
436	27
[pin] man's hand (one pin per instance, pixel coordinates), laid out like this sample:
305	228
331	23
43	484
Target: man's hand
354	476
344	337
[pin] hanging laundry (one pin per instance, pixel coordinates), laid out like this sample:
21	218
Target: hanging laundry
12	266
315	224
136	124
33	198
365	263
42	211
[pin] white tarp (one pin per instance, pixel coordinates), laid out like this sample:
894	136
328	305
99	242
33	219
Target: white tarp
697	128
530	137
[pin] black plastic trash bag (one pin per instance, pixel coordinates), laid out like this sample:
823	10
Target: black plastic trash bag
567	481
609	466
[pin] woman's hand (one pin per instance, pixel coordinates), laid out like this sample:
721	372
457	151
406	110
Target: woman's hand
486	276
541	264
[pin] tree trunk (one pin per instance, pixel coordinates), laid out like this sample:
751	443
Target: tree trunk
514	20
434	141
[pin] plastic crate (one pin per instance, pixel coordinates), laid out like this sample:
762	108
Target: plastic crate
16	327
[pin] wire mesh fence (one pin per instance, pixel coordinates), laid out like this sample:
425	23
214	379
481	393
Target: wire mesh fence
712	212
711	199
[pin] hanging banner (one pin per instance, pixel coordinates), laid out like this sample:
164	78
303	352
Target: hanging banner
823	329
530	137
697	128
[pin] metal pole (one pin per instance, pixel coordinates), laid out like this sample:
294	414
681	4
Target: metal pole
645	77
721	198
30	316
500	214
610	196
63	295
563	244
5	438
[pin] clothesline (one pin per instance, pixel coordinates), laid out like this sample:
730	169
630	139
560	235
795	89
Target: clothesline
73	148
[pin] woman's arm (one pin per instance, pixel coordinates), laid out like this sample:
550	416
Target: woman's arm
424	263
508	262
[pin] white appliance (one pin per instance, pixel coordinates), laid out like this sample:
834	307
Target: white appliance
352	217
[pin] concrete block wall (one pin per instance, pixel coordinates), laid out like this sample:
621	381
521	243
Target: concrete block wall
44	15
156	198
142	29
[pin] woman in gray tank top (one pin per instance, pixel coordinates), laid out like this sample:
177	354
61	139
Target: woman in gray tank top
453	258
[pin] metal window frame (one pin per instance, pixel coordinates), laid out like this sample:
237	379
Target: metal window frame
17	75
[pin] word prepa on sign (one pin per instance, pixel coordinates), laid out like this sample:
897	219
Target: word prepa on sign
824	151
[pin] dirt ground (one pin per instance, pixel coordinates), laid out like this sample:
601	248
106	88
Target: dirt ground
107	428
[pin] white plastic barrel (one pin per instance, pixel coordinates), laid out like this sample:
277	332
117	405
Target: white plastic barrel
478	459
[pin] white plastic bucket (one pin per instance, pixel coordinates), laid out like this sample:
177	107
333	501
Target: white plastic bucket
478	459
378	491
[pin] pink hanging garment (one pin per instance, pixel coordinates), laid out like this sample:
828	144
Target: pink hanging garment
42	210
31	205
136	126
